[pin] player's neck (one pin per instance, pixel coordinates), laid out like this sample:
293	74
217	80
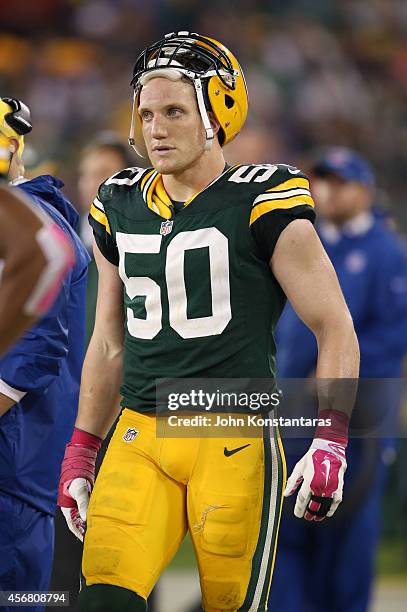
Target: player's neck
182	186
16	169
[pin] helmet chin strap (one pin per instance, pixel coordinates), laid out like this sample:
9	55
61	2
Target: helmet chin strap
204	114
131	139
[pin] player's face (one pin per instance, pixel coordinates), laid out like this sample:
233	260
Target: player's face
95	168
172	126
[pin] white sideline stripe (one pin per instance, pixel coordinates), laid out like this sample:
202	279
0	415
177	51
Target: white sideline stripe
270	525
14	394
281	195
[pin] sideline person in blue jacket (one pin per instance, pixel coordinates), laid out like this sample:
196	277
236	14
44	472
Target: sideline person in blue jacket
39	386
331	566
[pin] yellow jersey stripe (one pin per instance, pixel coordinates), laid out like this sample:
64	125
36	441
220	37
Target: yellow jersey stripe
98	204
157	198
282	195
291	184
266	207
232	168
161	199
100	217
145	179
151	179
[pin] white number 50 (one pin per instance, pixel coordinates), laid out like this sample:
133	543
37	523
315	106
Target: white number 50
135	286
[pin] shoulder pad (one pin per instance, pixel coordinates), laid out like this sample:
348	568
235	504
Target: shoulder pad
266	182
263	176
288	177
128	177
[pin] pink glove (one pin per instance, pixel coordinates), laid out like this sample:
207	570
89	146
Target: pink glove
77	479
321	470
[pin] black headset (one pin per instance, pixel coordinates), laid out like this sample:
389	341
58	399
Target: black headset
19	118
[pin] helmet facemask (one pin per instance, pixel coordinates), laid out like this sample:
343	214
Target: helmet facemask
15	123
190	56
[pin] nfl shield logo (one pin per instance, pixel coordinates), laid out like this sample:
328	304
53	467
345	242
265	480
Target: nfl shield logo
130	434
166	228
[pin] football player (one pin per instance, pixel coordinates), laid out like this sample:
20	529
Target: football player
35	254
197	258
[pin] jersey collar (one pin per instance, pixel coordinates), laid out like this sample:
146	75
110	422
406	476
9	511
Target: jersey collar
156	197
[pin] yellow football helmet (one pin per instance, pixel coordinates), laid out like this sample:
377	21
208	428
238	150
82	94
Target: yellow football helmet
15	120
214	71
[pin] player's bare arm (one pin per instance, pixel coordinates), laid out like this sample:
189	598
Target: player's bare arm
309	281
102	370
99	397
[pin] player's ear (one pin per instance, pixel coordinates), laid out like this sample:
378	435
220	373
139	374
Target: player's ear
14	145
215	125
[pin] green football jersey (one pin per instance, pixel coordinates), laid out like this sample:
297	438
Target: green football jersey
200	299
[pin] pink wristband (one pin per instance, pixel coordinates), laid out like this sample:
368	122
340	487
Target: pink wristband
83	438
337	431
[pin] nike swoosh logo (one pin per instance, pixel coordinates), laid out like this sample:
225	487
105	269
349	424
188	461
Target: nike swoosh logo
327	463
228	453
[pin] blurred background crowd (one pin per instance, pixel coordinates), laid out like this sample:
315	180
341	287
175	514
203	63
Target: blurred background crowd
319	72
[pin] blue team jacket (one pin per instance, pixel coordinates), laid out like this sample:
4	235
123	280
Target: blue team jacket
371	264
46	364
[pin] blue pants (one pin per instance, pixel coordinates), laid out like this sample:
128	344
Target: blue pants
330	565
26	549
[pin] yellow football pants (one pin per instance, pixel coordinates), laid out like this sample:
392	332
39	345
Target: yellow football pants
151	490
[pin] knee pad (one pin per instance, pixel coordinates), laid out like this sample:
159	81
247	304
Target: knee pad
109	598
224	526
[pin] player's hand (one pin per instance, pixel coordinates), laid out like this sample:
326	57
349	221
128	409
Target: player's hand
321	472
77	479
79	492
